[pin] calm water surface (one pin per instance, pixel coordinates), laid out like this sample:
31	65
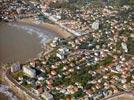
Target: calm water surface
3	97
20	42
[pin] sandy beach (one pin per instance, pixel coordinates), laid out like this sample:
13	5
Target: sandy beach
49	26
20	41
13	48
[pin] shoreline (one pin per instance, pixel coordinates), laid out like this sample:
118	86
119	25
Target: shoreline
48	26
52	27
6	93
61	33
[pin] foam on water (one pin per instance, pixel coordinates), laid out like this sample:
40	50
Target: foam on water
33	30
5	90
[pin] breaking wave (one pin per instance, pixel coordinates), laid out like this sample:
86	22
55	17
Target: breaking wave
5	90
43	36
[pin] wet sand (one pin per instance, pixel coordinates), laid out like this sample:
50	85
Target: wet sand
48	26
20	42
23	40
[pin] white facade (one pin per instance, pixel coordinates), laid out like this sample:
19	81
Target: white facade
29	71
61	56
15	67
95	25
124	46
62	52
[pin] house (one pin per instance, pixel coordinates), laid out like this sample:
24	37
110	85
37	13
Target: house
97	96
15	67
95	25
29	71
124	46
38	90
47	96
40	77
55	42
62	52
60	55
32	63
53	72
72	89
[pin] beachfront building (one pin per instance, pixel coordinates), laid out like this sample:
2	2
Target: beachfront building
55	42
29	71
62	52
15	67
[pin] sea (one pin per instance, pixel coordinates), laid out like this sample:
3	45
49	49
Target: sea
20	42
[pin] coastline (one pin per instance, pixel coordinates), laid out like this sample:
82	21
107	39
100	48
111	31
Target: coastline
48	26
6	93
52	27
43	25
61	33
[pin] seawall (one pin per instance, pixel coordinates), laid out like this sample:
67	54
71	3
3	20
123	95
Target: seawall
17	90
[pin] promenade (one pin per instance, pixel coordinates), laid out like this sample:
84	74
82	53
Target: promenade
9	77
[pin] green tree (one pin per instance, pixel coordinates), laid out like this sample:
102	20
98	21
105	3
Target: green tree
78	94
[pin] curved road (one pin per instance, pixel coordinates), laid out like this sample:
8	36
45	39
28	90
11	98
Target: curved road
7	74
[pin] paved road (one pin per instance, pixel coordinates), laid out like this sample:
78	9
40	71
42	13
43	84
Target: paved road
8	75
49	17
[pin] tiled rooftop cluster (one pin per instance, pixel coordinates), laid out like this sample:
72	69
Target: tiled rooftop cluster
11	10
94	65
